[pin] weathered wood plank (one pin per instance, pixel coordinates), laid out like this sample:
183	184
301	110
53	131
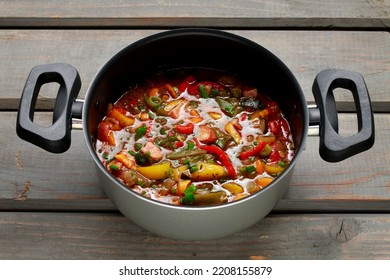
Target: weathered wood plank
306	53
112	236
33	179
173	13
29	172
290	23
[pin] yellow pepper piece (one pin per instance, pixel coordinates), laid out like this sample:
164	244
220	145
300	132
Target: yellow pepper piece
129	163
122	119
260	114
263	181
172	104
194	113
259	167
208	171
254	115
111	138
252	187
266	138
144	116
182	186
229	127
178	171
264	113
215	115
155	172
195	119
240	196
234	188
274	168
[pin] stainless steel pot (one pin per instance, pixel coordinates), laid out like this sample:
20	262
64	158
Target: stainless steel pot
195	48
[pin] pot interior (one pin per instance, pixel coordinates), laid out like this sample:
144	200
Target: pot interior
196	48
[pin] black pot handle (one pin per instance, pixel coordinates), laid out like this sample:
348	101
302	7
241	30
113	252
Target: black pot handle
334	147
55	138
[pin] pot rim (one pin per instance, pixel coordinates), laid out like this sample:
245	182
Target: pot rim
193	32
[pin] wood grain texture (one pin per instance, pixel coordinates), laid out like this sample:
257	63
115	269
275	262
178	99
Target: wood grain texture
112	236
51	205
306	53
35	180
174	13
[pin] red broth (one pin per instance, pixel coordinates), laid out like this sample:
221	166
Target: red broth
195	137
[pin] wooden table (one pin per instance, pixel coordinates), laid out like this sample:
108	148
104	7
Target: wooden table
51	206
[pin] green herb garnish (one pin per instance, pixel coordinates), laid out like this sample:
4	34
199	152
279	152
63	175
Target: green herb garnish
140	132
190	145
189	197
250	169
203	91
137	146
113	167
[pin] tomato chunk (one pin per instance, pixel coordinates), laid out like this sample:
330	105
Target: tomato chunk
105	133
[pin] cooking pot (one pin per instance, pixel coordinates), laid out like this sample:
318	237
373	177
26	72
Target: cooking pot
207	49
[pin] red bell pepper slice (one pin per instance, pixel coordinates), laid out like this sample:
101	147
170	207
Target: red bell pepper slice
186	82
185	129
252	152
193	89
274	156
178	144
222	157
274	127
279	126
273	107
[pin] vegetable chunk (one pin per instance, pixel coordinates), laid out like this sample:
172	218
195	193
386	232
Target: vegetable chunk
153	150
